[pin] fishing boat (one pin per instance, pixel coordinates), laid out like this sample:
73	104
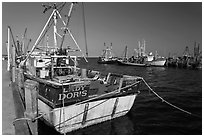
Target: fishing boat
133	61
107	56
128	63
70	97
156	60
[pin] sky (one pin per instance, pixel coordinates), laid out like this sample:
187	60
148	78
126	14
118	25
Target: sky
167	27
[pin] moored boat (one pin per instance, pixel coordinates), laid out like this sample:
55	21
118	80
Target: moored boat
70	97
139	61
156	60
107	56
127	63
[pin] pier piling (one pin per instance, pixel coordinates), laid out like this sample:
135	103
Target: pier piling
31	101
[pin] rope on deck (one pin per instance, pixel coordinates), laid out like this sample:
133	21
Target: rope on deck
163	100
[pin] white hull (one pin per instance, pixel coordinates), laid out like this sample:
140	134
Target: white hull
131	64
83	115
158	63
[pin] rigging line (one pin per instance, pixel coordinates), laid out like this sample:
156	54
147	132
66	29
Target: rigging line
67	22
76	44
63	112
168	102
50	25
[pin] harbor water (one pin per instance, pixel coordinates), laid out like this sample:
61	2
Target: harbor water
149	115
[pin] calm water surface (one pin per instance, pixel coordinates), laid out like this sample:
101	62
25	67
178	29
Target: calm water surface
149	115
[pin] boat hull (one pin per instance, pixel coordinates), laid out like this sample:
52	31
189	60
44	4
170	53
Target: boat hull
160	63
107	62
132	64
86	114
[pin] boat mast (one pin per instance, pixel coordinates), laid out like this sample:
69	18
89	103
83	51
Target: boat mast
66	29
126	52
47	43
66	26
14	43
139	48
144	48
84	29
111	54
23	44
156	54
55	27
36	42
8	50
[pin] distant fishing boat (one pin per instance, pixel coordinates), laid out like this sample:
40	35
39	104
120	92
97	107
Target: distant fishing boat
140	58
69	97
156	60
133	61
107	56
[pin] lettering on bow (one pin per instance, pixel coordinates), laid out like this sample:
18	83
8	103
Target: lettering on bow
74	92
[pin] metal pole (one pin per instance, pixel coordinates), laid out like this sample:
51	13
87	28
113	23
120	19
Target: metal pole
139	48
67	23
55	30
8	51
13	63
84	29
39	36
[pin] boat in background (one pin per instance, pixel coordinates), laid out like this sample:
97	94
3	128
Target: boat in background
156	60
160	62
107	56
138	58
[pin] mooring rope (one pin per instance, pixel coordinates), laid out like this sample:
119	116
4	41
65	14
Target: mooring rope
23	118
163	100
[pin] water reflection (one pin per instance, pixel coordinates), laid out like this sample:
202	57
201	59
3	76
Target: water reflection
119	126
